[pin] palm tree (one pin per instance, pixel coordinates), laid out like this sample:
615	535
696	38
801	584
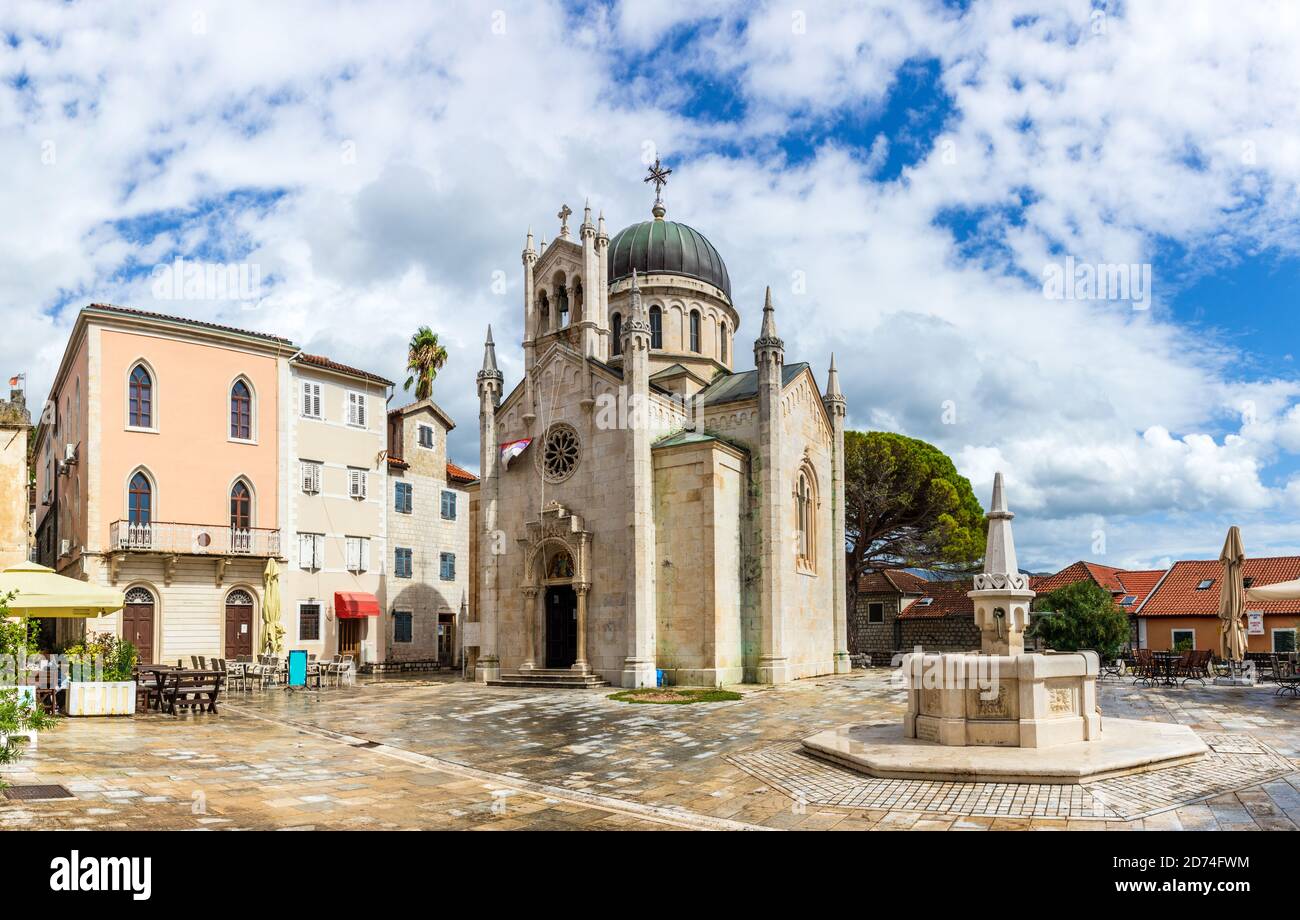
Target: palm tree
424	358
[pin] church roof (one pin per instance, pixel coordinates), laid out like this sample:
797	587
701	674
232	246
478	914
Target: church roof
735	387
695	437
666	247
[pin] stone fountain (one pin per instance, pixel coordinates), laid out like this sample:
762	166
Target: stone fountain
999	714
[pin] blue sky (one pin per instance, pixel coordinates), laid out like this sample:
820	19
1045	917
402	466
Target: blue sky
902	175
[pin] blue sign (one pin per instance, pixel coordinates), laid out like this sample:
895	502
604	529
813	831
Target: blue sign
297	668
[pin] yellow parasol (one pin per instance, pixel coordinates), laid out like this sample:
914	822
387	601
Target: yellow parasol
41	592
272	630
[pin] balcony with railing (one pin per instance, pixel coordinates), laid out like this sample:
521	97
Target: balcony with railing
177	539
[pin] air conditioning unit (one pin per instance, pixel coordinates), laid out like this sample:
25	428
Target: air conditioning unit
69	453
65	548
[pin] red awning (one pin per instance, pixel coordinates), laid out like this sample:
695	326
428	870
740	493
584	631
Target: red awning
350	605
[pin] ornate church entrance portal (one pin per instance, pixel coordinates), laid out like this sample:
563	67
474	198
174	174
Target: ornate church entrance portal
561	626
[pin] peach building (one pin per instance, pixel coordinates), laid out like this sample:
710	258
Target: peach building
158	470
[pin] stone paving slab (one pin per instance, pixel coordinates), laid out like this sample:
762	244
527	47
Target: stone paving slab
573	759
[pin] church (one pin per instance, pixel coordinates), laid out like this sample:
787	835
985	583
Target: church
646	511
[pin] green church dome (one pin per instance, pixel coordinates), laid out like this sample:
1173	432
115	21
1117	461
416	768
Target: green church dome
666	247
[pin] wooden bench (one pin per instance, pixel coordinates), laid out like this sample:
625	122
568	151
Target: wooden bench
191	688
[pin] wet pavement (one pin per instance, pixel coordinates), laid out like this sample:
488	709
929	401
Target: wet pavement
441	753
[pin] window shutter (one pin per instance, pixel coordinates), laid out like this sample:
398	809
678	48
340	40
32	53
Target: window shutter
357	483
310	399
363	554
357	409
310	477
354	554
306	551
318	550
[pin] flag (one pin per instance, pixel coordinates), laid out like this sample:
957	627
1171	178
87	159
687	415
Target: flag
512	449
13	381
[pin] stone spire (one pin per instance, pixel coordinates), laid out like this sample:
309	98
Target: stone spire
1000	550
767	337
528	246
1002	594
833	392
489	370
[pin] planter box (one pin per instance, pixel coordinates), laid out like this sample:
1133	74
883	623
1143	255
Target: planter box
101	698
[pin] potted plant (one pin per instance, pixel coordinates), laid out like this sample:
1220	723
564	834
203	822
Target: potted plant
101	674
20	718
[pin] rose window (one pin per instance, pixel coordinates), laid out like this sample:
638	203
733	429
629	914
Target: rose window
560	453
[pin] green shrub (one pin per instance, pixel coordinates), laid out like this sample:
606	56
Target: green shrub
118	658
1081	616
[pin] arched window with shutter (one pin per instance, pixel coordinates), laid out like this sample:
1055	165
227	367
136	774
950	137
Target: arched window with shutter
617	329
695	331
656	327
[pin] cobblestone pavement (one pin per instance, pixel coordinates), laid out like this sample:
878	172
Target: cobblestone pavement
439	753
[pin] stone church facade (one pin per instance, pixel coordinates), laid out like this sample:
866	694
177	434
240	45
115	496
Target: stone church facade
643	506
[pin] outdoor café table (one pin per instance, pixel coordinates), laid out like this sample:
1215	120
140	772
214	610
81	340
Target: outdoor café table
1166	663
159	672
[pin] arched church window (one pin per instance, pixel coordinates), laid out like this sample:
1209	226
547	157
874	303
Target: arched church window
723	343
695	331
562	305
618	334
560	452
577	298
805	500
656	328
544	314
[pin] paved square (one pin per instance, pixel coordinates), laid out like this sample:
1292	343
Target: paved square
440	753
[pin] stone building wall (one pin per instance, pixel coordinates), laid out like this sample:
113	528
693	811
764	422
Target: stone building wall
426	595
955	633
877	640
699	494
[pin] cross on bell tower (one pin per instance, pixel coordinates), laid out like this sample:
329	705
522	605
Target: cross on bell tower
563	215
659	176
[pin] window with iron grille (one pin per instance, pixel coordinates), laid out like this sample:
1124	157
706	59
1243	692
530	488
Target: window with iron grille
402	626
308	622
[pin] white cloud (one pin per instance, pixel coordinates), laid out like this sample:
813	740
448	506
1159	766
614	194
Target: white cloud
413	149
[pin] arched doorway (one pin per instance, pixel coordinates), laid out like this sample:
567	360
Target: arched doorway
239	623
561	607
561	626
138	623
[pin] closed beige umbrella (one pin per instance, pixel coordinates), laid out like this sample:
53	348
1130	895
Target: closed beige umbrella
1232	598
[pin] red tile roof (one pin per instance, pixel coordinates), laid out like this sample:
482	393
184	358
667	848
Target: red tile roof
1120	582
947	598
1139	585
131	311
459	474
891	581
1104	575
1176	594
323	362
